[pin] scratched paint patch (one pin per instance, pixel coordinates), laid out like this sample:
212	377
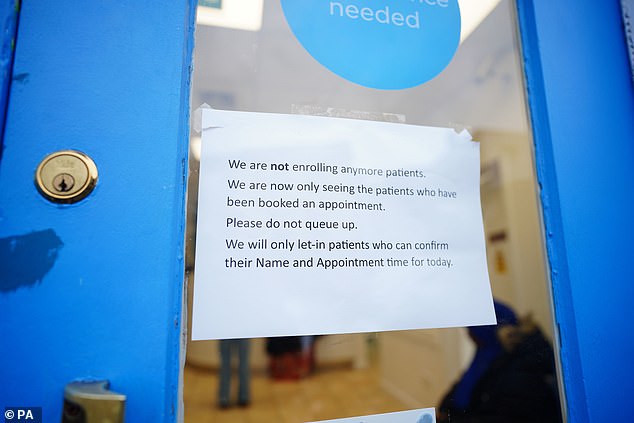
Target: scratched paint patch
26	259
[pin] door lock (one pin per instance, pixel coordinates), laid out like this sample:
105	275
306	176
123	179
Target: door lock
92	402
66	176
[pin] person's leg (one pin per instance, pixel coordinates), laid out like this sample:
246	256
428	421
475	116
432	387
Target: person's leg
305	360
244	372
224	386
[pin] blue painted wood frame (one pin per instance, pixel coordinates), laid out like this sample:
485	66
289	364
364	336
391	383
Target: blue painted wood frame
9	18
582	110
93	290
111	78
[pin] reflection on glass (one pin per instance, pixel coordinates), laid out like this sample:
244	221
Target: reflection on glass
266	69
510	378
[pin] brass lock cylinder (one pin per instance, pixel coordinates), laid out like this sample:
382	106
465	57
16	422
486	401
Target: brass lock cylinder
66	176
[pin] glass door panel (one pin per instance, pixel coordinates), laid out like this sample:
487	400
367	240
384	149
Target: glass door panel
248	59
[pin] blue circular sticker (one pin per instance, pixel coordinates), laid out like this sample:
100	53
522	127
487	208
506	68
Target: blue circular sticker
385	44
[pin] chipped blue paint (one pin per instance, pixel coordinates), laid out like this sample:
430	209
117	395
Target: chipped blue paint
26	259
21	78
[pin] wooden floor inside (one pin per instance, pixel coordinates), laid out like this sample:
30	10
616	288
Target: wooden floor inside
327	394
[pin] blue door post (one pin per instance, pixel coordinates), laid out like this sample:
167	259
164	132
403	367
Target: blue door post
93	290
9	18
582	111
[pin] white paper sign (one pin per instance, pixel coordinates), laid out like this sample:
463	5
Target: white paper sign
313	225
423	415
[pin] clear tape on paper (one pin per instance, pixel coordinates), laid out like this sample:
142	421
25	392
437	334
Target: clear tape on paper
460	128
312	110
197	117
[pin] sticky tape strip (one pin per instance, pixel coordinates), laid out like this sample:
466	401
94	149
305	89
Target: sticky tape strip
197	117
346	113
460	129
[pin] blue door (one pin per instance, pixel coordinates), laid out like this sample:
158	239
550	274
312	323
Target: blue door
93	290
582	108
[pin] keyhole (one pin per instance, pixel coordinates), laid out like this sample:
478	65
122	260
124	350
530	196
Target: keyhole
63	182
